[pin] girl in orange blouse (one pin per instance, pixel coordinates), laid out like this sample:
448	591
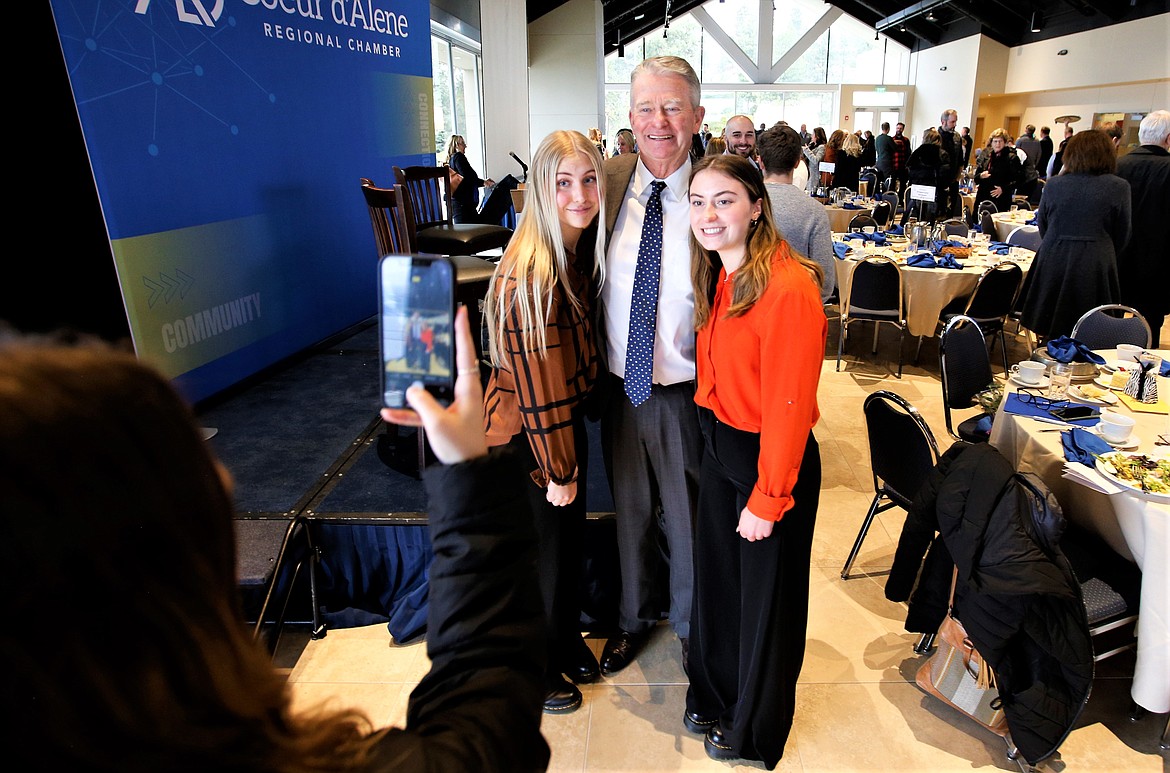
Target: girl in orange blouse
761	340
545	363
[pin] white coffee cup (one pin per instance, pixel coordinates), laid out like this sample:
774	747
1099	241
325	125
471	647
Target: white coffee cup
1028	371
1128	352
1115	427
868	229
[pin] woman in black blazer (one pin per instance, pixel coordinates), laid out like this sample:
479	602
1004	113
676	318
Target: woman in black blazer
1000	172
465	198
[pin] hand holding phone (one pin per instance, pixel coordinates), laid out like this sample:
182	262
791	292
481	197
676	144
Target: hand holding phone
455	432
416	326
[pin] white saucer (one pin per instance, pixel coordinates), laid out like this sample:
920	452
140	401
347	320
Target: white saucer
1041	384
1133	441
1128	366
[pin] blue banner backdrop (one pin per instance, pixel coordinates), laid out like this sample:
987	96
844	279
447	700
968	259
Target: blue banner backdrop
227	138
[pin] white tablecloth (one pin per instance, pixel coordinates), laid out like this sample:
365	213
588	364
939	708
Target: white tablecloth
1136	528
926	291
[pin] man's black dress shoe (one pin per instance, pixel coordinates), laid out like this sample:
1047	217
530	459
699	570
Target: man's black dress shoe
620	651
579	664
562	697
717	747
697	723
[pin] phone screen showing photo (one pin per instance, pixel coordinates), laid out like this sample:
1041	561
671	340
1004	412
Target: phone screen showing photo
417	327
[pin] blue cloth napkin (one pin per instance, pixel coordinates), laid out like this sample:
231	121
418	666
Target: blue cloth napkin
948	261
1165	371
849	205
983	426
999	248
922	260
840	249
975	229
938	244
1065	349
876	238
895	230
1031	221
1082	446
1013	404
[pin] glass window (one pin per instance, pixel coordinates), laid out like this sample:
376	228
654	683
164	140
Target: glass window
718	66
854	55
892	98
444	96
797	18
684	38
740	19
810	67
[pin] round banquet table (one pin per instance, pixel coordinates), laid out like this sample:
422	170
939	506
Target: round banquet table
926	291
1006	222
839	218
1136	528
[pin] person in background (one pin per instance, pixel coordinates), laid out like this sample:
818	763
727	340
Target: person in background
848	163
968	144
930	165
884	154
1084	218
1027	148
538	313
1058	157
1045	152
115	513
868	151
832	150
757	304
1143	270
716	146
1113	130
741	137
465	198
815	156
950	141
624	143
650	433
999	173
805	137
802	221
901	157
598	139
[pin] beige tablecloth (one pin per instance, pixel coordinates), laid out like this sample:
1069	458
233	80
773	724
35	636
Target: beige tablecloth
1006	222
1136	528
926	291
839	218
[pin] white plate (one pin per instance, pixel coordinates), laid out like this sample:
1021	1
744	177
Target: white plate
1106	469
1107	399
1041	384
1131	442
1104	381
1114	365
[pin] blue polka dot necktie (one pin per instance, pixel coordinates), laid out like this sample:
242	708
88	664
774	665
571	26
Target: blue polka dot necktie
644	303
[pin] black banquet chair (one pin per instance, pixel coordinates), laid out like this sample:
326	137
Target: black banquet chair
882	213
966	371
1108	325
991	302
861	221
428	188
874	295
902	453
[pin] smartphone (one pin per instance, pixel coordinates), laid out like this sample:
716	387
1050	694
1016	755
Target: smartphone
416	326
1074	412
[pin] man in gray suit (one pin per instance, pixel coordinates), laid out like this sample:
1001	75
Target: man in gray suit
650	434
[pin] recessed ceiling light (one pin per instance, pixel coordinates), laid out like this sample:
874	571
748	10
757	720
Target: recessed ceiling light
640	16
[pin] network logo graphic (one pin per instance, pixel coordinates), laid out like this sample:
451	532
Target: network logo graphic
200	16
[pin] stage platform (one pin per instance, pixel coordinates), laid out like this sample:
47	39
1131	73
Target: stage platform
304	440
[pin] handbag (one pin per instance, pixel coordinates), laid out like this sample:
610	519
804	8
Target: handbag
455	178
957	675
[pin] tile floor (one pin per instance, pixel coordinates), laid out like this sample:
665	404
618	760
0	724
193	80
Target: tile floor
858	707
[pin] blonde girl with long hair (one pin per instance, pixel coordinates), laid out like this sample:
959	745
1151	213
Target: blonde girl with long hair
538	312
760	341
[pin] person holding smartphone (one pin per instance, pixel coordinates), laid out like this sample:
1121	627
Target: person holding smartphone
760	342
115	513
538	313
